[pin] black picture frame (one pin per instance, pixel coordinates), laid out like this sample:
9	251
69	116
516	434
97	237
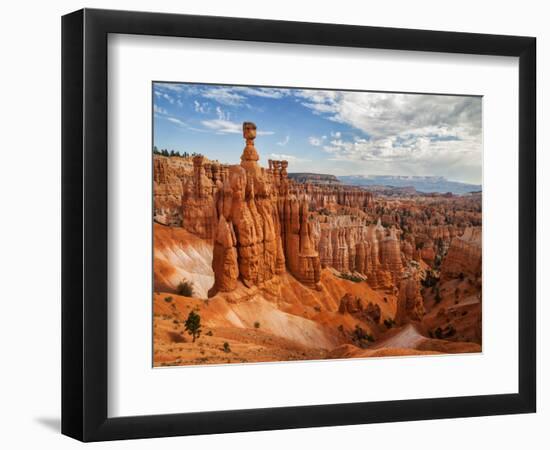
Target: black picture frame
84	224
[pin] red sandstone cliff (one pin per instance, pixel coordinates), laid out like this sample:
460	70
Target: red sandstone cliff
168	174
464	255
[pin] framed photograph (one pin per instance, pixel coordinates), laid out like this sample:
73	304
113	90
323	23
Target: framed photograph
273	224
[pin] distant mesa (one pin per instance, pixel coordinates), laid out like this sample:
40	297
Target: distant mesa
390	184
420	183
313	178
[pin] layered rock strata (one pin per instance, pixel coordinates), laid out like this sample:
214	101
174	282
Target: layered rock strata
410	303
464	255
168	174
348	244
324	196
199	215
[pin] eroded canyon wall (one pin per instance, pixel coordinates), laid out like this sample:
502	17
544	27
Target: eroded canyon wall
262	224
464	255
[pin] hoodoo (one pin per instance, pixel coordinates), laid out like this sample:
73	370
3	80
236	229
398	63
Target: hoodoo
262	223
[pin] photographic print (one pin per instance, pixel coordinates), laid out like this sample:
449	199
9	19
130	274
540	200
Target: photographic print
305	224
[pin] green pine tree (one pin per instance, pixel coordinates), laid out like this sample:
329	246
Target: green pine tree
193	325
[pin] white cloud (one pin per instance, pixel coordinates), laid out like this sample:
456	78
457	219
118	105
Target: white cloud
381	114
283	156
431	133
175	92
179	123
284	141
159	110
222	126
315	141
176	121
263	92
225	96
201	107
418	155
174	87
237	95
165	96
222	115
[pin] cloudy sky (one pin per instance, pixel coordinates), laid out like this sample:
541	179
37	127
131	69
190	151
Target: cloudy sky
336	132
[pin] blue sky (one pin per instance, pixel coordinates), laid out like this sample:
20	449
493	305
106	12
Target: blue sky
336	132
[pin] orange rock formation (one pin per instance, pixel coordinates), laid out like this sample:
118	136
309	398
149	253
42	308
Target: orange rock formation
464	255
324	267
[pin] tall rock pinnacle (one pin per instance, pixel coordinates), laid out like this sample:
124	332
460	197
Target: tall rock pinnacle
250	157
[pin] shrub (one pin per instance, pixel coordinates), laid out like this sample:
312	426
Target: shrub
389	323
361	337
185	288
176	337
226	347
437	297
256	324
430	280
168	299
210	333
350	277
193	325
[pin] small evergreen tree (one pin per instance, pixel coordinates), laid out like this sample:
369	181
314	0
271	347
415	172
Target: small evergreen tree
193	325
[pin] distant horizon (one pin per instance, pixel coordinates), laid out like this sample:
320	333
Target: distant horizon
372	175
340	133
290	172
